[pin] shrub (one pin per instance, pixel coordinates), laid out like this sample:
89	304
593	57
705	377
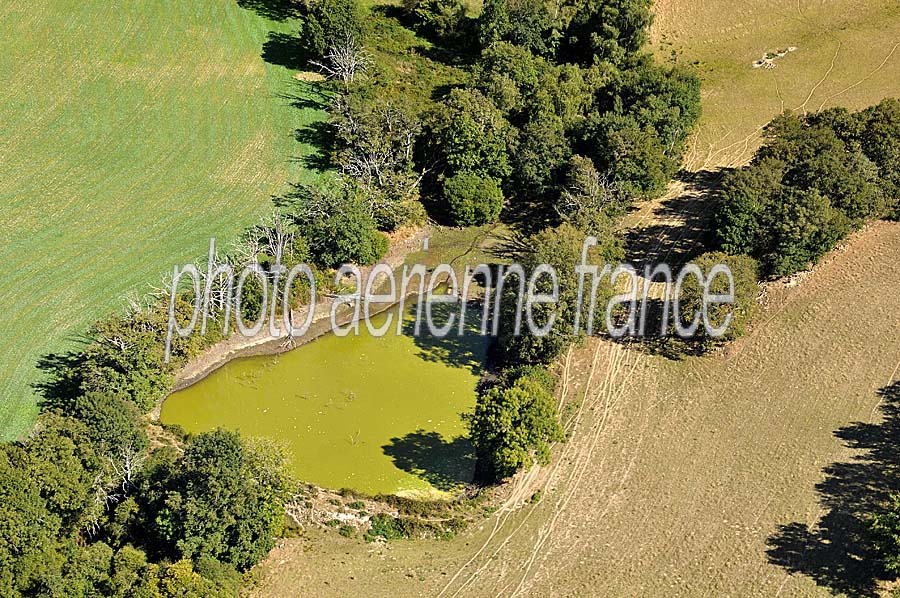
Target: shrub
470	134
338	223
384	526
223	499
444	19
328	22
473	200
886	531
512	426
745	272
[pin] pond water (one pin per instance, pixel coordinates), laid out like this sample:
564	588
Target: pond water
375	414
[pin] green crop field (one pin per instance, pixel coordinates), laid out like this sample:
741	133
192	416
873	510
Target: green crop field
130	133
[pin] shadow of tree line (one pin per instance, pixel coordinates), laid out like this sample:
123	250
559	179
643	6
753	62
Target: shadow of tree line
838	552
275	10
685	232
662	242
59	388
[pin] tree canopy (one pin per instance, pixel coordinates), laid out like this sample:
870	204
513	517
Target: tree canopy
816	178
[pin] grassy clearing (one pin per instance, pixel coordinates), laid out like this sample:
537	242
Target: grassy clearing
131	133
848	54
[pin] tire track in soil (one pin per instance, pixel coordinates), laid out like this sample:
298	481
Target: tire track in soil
584	456
509	504
554	468
863	80
611	393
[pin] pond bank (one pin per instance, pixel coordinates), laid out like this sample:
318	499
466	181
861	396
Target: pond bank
378	414
237	346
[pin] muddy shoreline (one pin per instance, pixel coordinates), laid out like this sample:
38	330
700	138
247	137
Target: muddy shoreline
236	346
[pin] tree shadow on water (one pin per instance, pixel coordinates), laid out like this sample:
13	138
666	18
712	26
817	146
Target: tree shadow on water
838	551
444	465
466	350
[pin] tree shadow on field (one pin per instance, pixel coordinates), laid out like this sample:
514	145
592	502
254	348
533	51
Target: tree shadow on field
426	455
688	235
466	350
61	384
319	136
838	552
283	49
307	96
276	10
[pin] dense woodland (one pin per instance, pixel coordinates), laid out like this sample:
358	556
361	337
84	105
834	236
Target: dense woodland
549	116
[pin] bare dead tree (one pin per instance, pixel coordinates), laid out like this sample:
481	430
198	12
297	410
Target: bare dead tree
134	305
345	60
249	248
112	485
116	341
220	287
589	190
126	466
163	290
276	235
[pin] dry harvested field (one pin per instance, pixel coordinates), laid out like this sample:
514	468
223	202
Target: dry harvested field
847	54
715	476
737	474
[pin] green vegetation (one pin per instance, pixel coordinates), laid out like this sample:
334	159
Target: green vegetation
131	135
338	223
733	317
82	518
387	527
817	178
473	200
885	527
514	423
559	247
328	22
222	500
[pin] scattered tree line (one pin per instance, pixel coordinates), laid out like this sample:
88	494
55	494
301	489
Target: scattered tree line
816	178
556	103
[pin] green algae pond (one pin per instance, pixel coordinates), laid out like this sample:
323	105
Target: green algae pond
374	414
